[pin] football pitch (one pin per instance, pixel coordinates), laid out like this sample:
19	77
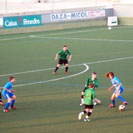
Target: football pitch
49	103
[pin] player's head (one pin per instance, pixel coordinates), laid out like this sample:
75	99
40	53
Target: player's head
109	75
12	79
91	85
94	75
65	47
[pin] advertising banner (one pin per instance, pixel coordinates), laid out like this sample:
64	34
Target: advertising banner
22	21
112	21
77	15
1	22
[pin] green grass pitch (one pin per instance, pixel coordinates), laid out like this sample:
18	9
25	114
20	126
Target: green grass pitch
49	103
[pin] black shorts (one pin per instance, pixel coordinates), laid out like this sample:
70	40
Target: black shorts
63	62
89	106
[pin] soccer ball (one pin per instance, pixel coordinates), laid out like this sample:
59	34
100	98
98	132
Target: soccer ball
122	107
109	28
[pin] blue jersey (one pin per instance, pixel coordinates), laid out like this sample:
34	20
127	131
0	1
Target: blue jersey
8	86
115	81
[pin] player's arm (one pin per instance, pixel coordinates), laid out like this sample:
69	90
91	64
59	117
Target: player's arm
87	82
94	96
86	85
56	56
70	58
7	90
111	88
82	93
96	83
13	90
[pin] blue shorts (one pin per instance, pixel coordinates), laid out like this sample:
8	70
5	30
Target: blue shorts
120	91
8	95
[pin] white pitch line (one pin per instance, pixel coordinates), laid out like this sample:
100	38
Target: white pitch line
13	38
73	32
62	33
32	71
65	38
82	31
84	39
51	80
89	63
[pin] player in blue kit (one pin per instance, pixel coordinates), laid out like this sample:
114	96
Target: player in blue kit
8	94
118	89
1	103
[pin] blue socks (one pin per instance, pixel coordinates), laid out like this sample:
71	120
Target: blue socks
113	102
7	105
12	103
120	98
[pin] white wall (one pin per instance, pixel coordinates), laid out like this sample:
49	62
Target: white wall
126	1
18	1
123	10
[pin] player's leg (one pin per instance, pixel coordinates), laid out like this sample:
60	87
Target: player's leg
82	113
0	97
89	111
113	100
10	97
57	67
66	69
7	103
60	62
121	98
82	98
1	103
88	114
13	102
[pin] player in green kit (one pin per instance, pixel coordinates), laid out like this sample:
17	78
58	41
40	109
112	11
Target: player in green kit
63	59
89	96
92	79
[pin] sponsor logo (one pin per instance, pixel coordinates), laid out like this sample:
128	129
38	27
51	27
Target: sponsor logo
77	15
30	22
22	21
10	23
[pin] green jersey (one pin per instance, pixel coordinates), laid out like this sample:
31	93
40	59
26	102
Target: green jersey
95	82
89	94
63	55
